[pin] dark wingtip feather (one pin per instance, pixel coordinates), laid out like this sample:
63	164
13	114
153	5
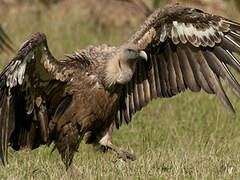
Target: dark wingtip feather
118	119
222	95
3	134
226	102
227	57
222	70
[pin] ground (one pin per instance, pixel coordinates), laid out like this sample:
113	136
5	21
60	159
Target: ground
190	136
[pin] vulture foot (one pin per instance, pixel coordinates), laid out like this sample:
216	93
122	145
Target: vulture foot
122	153
106	142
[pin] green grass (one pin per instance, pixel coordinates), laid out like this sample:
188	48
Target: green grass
190	136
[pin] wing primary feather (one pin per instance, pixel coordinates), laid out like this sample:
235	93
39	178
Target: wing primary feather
232	41
7	126
135	93
235	35
187	70
171	70
213	80
222	95
197	71
163	76
127	114
157	76
2	113
152	81
221	70
236	87
11	124
118	119
131	100
233	25
140	85
228	45
179	75
4	118
227	57
146	86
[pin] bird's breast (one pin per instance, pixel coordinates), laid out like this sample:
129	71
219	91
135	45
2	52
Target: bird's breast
95	105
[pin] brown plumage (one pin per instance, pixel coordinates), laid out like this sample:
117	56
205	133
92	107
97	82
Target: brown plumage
44	100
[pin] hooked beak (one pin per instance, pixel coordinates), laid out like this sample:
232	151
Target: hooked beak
143	55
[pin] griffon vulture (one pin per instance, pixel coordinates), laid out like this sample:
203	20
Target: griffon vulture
44	100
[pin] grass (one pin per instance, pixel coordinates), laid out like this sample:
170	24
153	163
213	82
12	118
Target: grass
190	136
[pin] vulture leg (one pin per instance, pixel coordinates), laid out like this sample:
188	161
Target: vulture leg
106	142
68	140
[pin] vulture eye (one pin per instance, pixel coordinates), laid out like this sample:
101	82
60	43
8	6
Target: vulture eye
131	51
131	54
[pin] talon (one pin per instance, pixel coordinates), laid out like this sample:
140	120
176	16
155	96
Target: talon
131	156
126	155
123	154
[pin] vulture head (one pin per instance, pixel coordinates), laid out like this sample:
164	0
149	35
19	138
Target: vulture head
121	68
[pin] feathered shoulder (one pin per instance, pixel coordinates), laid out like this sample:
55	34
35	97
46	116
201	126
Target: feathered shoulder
91	55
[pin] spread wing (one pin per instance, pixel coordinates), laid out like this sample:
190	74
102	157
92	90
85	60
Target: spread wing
26	84
5	42
187	49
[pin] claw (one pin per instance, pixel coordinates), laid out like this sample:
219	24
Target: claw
123	154
126	155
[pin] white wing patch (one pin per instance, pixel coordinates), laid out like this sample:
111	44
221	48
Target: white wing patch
182	32
16	73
